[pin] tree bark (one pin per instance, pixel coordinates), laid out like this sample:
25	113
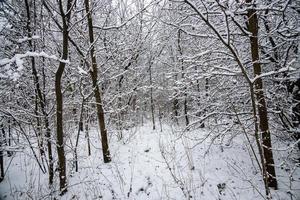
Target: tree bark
40	99
87	117
260	98
59	98
151	97
9	153
94	75
80	129
185	107
2	138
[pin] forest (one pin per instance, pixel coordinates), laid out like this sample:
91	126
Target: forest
150	99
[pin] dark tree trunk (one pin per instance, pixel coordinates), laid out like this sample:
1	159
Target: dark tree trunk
94	75
187	122
59	98
35	78
9	154
151	97
59	129
261	103
41	100
87	132
175	109
185	107
2	138
80	129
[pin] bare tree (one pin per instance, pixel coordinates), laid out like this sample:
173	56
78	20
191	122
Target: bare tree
256	88
65	16
40	97
2	135
97	93
260	97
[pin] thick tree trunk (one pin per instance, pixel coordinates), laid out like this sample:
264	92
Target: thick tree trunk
59	99
94	75
59	130
261	103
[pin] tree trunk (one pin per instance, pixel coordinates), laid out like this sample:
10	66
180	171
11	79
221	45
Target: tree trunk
175	110
59	129
87	132
151	97
40	98
59	99
261	103
2	136
120	112
185	107
94	75
9	154
80	129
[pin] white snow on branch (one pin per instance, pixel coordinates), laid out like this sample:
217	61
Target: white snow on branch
200	54
14	74
25	39
285	69
18	58
81	71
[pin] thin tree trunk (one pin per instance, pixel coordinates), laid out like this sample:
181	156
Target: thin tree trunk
87	132
35	79
50	155
187	122
120	112
175	101
88	139
151	97
176	105
185	107
80	129
262	107
40	98
9	154
39	133
2	136
94	75
160	116
175	110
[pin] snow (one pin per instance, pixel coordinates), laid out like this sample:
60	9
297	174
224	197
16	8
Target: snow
284	69
25	39
81	71
18	58
149	164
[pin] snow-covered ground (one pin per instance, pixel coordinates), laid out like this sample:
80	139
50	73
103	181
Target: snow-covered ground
149	164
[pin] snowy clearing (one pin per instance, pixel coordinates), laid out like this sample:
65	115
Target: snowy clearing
151	164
